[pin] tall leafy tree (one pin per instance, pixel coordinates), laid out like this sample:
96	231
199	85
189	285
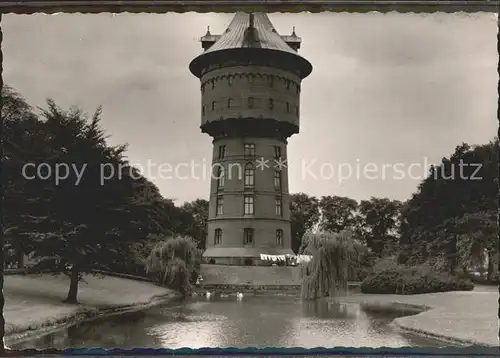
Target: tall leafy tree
88	218
335	258
456	194
337	213
304	213
195	221
378	223
173	262
477	240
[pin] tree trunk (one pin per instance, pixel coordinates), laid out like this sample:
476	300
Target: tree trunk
20	260
489	275
73	286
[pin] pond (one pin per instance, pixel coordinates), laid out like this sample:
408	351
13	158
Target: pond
255	321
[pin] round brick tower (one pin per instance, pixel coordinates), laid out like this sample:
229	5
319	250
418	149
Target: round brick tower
250	85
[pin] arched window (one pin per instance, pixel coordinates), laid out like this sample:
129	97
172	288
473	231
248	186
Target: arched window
270	103
213	106
220	178
218	236
213	84
248	202
247	236
249	150
230	80
219	205
277	179
279	206
203	110
279	237
287	107
250	102
229	102
249	175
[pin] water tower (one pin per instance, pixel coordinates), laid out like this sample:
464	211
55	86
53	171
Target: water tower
250	105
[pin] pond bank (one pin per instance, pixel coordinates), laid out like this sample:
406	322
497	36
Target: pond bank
464	317
33	303
262	289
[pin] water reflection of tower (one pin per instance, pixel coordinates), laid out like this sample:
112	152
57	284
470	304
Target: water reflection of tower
250	84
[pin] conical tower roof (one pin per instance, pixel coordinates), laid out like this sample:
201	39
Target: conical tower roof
237	36
250	32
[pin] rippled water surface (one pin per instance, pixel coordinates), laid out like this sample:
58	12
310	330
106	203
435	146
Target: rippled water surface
224	322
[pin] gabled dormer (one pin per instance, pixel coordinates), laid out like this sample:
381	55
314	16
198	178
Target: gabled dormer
208	40
293	40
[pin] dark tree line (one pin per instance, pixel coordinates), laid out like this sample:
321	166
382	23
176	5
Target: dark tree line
449	222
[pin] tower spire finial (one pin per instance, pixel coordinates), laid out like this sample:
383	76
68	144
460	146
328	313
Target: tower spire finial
208	30
293	31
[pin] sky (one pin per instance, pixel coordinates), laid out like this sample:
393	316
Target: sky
389	94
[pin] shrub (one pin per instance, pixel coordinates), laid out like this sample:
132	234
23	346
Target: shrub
385	264
413	280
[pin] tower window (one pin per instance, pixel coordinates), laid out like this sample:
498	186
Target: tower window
213	106
229	102
277	179
222	151
287	107
250	102
249	150
202	110
277	152
247	236
249	175
270	104
213	84
279	237
220	178
218	237
279	206
249	205
220	204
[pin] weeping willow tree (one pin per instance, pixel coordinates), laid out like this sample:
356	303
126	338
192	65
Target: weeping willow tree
335	258
173	262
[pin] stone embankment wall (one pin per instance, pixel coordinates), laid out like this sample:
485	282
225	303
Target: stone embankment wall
250	289
254	279
250	275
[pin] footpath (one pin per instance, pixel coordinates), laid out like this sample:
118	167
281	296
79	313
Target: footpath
469	318
33	303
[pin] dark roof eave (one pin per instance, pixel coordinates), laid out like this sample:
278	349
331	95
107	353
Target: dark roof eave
197	64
